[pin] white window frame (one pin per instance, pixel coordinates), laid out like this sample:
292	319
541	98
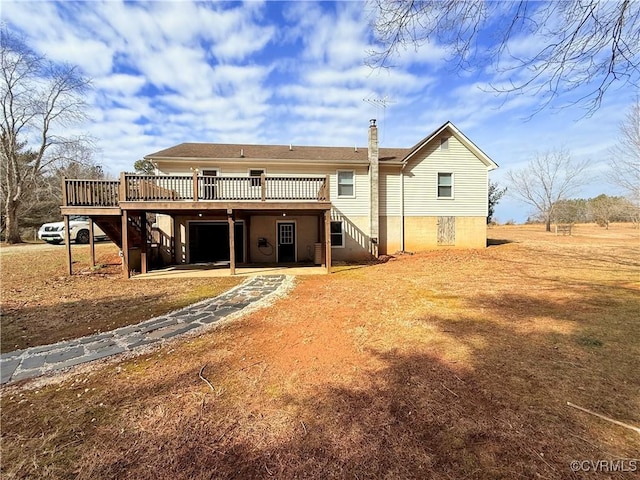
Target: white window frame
258	183
353	176
438	185
331	234
202	170
444	143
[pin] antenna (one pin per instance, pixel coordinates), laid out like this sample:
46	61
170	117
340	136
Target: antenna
380	102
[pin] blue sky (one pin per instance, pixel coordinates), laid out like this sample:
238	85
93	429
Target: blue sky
289	72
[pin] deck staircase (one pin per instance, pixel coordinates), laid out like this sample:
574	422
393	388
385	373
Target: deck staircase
112	227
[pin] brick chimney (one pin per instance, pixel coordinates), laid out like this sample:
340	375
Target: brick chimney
374	213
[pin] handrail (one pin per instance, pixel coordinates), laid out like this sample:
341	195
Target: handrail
171	188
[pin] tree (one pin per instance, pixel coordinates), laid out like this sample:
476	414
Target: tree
605	209
624	171
144	166
38	97
575	42
548	178
495	194
574	210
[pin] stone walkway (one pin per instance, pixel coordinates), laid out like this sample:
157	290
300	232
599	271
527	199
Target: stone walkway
36	361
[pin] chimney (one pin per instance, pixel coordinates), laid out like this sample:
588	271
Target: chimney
374	213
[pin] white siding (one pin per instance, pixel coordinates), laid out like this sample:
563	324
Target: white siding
357	206
470	179
390	201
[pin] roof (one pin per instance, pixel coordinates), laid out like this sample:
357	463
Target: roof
309	154
217	151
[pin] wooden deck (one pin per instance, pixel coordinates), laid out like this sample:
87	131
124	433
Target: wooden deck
121	207
193	192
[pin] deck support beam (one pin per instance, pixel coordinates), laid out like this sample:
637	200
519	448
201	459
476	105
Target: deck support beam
232	242
92	244
143	247
67	244
125	244
327	239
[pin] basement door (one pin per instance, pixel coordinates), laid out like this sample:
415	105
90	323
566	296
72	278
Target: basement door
209	242
446	231
286	242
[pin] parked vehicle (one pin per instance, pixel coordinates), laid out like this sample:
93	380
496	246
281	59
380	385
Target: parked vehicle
79	231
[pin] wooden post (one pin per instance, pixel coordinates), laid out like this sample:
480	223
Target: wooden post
172	240
67	243
143	247
263	185
122	188
327	189
195	185
125	243
232	242
92	243
65	198
247	236
327	239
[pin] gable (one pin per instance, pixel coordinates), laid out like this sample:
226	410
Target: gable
432	140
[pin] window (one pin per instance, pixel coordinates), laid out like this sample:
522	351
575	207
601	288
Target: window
445	185
444	143
346	183
337	234
256	172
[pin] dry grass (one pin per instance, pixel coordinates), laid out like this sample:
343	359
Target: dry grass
447	364
40	304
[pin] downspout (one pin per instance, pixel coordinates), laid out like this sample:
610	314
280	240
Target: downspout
402	207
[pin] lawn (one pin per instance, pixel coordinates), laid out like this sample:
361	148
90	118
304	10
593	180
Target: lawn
447	364
41	304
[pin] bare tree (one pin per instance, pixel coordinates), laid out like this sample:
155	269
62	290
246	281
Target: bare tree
605	209
624	171
548	178
495	194
575	42
37	98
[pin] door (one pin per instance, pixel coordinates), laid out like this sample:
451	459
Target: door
209	185
286	242
209	242
446	230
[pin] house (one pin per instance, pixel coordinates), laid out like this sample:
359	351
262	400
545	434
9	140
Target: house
241	204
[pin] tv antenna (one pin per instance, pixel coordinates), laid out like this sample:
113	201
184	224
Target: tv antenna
383	102
379	102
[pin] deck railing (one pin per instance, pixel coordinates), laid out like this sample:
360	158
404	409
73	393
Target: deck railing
176	188
91	193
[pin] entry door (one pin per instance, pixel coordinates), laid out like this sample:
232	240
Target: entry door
286	242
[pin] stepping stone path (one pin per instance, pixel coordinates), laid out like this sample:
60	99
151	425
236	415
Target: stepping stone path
36	361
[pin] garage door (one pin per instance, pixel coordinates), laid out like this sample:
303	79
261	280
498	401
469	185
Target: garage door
209	242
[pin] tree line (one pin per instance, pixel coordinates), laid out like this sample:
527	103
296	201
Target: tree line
603	210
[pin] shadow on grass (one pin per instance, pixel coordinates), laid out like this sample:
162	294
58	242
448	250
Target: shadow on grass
491	242
501	415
